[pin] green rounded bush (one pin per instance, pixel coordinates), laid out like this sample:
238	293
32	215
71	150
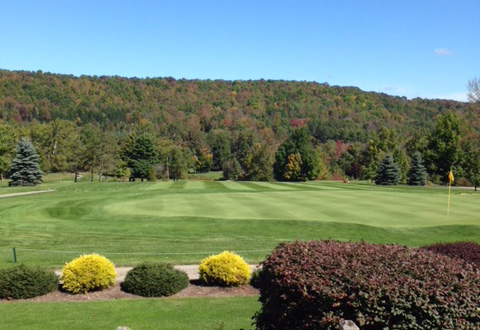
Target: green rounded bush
22	282
154	280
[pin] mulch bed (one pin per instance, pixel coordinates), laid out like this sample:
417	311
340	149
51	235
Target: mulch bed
193	290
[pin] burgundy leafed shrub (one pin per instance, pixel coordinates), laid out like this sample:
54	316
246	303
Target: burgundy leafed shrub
467	251
314	285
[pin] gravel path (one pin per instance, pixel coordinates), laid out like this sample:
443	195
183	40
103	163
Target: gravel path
191	270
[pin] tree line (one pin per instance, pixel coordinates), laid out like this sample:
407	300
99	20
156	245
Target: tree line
251	130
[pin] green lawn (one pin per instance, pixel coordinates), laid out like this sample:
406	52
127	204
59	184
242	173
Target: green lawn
154	314
185	221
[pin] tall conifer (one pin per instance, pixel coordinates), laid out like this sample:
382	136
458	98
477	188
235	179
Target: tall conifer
388	172
25	169
417	174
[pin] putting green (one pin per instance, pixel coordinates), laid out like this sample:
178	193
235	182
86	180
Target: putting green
380	207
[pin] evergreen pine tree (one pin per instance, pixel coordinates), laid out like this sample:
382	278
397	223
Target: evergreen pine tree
25	169
388	172
416	175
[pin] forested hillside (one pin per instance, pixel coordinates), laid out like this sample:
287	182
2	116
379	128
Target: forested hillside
209	123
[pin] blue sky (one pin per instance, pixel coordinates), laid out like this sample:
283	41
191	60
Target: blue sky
418	48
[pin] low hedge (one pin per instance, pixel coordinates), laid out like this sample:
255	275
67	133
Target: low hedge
154	280
22	282
314	285
467	251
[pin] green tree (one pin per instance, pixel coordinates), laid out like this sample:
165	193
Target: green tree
384	142
350	163
173	160
471	158
242	141
257	165
75	160
299	143
56	142
8	137
178	163
141	155
401	159
25	169
232	170
107	156
90	137
203	160
443	150
219	143
388	172
417	174
370	159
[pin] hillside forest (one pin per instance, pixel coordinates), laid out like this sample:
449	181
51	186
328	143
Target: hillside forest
157	128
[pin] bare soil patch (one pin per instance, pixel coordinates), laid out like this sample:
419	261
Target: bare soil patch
193	290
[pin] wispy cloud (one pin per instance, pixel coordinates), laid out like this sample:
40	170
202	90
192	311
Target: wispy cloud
442	52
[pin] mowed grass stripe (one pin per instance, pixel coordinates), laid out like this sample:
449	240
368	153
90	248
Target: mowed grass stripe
159	185
276	186
178	185
259	206
310	186
214	185
236	186
255	186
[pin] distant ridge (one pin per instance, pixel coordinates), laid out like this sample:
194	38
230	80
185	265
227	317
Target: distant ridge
168	104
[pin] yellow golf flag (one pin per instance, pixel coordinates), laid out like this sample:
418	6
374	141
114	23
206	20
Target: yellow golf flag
450	179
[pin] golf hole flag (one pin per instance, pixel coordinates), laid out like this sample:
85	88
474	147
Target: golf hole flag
450	180
450	176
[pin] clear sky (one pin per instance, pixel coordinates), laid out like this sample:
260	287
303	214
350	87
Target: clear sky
413	48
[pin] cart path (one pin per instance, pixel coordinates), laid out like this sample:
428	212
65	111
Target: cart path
191	270
26	193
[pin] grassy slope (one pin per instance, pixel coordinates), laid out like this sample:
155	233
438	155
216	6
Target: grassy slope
167	314
186	221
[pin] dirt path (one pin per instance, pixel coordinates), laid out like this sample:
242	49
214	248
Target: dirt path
26	193
191	270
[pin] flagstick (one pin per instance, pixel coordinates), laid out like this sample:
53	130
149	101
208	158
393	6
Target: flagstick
448	205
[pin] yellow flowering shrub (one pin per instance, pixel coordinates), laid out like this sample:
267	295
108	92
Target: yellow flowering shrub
91	272
225	269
